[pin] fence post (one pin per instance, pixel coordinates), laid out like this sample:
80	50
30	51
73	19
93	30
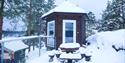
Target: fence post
39	45
2	52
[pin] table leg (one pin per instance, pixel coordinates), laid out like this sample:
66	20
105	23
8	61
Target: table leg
69	60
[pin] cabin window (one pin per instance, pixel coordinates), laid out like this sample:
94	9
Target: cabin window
50	32
51	28
69	30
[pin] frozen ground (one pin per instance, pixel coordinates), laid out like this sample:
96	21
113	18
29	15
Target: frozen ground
100	49
33	56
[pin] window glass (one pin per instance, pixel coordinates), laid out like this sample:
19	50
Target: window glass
51	31
51	28
69	32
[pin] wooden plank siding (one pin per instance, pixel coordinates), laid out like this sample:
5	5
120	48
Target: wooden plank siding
58	31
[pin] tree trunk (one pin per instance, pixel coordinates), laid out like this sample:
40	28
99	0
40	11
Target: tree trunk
1	24
29	33
1	17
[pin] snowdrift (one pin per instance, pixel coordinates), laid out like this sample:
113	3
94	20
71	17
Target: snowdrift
101	47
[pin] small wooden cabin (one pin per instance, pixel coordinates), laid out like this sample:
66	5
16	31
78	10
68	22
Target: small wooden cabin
66	23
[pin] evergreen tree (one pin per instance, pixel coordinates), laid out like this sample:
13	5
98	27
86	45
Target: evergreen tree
113	16
30	11
90	24
34	23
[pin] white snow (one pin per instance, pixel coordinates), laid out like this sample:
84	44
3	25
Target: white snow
51	53
70	56
69	45
108	56
33	56
15	24
15	45
66	7
109	38
100	49
81	50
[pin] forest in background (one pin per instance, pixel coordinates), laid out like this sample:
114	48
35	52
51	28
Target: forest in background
30	12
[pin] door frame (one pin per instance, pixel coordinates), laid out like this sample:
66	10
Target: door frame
74	30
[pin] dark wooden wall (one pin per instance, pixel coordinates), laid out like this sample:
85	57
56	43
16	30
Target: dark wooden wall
59	17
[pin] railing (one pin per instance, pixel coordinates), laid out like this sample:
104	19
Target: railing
3	41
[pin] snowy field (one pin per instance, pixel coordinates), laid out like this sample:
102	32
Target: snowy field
100	48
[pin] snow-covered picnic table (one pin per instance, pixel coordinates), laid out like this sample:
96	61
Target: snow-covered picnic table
69	47
69	57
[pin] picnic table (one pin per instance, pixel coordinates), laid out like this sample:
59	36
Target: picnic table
69	48
69	52
70	57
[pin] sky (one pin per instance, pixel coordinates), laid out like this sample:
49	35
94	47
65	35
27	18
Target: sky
95	6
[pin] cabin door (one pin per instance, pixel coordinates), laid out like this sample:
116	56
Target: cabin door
69	31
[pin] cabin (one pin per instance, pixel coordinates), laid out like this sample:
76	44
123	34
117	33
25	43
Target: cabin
14	52
66	24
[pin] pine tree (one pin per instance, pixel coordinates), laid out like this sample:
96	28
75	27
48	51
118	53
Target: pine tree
34	23
30	11
90	24
113	16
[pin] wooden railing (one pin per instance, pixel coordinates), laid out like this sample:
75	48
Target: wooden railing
3	41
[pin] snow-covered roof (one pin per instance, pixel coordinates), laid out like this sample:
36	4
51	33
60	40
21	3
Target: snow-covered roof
66	7
15	45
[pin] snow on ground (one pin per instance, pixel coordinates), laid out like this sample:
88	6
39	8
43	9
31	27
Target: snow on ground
109	38
33	56
100	49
